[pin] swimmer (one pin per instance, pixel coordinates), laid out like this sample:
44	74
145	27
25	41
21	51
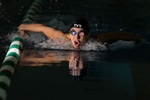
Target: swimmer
79	33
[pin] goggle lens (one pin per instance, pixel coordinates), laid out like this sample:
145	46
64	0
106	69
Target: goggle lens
81	33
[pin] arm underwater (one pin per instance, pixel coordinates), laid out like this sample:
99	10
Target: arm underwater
112	37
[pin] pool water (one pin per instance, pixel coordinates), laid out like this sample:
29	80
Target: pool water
120	73
50	73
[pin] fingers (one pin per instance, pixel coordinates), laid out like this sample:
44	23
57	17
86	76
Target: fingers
24	33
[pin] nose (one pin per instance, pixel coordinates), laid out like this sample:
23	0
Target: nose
77	36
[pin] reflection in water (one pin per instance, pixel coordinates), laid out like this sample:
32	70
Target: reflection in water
99	78
42	57
47	58
76	59
75	64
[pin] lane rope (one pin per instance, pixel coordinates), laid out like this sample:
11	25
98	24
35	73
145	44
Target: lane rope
12	56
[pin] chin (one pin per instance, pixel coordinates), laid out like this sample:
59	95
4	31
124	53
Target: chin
76	47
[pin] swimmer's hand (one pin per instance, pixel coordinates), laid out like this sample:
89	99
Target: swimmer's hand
24	33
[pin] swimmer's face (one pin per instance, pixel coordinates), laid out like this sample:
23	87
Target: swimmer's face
78	36
75	64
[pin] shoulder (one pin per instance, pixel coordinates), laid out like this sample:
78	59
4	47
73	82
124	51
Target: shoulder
67	36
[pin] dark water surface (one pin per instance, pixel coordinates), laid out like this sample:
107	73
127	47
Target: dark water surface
90	75
52	74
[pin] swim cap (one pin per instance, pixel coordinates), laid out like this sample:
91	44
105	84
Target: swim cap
81	23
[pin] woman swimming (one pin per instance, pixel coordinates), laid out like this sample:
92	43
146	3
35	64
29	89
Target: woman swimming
79	33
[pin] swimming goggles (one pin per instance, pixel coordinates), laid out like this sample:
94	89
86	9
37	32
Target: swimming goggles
80	33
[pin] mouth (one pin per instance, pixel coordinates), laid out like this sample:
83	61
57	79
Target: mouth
77	43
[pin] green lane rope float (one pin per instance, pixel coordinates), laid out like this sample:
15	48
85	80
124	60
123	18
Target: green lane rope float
8	65
12	56
34	8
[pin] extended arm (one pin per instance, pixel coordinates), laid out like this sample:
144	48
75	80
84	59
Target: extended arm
48	31
113	37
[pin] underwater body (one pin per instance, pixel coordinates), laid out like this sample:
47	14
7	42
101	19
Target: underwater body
119	70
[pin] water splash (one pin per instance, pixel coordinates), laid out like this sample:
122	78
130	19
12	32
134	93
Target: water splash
63	44
12	35
92	44
40	41
60	43
121	45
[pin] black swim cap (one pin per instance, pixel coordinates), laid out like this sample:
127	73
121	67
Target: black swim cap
81	23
